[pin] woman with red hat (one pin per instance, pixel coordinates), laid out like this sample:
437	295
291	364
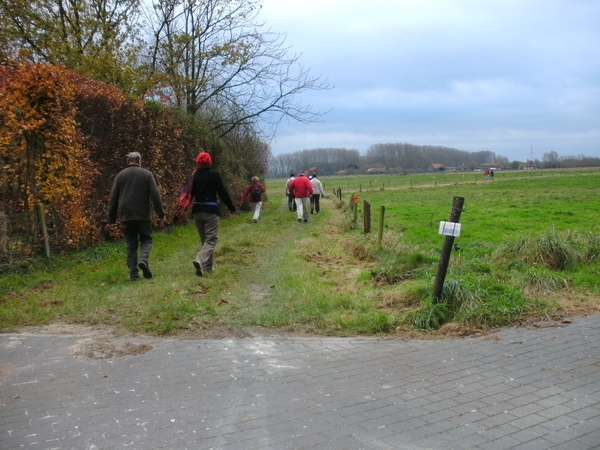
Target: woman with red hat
207	185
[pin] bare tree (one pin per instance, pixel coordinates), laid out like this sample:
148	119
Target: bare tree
551	160
219	64
327	160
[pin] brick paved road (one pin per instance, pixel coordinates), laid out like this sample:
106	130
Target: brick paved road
529	389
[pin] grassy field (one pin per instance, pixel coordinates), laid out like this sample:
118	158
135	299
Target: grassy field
529	250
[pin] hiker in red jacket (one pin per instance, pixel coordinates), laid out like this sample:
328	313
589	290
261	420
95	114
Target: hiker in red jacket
302	190
254	192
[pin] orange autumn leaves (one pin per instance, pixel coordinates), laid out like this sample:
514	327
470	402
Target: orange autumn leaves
63	138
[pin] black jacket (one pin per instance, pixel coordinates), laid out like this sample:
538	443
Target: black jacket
133	191
207	185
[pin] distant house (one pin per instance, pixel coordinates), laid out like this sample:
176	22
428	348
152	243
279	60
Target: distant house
529	165
377	168
437	167
491	165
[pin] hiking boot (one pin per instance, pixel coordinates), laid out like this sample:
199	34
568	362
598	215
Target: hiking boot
134	278
255	220
198	268
143	266
306	220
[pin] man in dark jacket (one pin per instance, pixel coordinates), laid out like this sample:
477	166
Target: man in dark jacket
132	192
207	185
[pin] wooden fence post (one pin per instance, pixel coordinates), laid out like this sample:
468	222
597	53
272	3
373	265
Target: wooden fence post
42	218
366	217
3	232
380	235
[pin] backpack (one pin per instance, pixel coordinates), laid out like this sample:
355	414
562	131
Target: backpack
185	198
255	193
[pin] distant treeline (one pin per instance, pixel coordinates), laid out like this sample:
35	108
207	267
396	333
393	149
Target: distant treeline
408	158
329	161
412	158
402	158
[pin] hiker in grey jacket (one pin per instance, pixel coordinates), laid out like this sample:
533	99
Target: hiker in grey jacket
317	194
133	194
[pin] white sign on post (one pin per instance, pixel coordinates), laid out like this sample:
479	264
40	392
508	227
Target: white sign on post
450	228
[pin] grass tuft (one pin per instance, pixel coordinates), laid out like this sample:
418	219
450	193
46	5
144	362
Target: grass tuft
393	268
431	316
548	250
543	282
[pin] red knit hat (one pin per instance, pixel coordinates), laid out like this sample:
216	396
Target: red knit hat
203	159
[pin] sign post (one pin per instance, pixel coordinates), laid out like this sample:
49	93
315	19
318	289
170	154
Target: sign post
450	229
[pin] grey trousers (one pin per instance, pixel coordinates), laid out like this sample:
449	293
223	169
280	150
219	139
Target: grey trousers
138	233
207	225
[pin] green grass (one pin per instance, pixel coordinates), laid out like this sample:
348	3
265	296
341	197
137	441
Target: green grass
529	249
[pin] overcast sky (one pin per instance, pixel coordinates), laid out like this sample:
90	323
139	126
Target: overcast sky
516	77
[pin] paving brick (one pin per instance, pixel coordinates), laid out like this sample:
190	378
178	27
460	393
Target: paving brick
526	410
535	444
554	412
503	443
562	436
592	438
585	413
575	444
465	442
530	433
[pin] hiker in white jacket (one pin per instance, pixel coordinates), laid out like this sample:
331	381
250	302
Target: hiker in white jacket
318	193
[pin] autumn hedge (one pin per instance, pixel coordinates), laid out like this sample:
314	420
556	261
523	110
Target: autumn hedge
64	136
